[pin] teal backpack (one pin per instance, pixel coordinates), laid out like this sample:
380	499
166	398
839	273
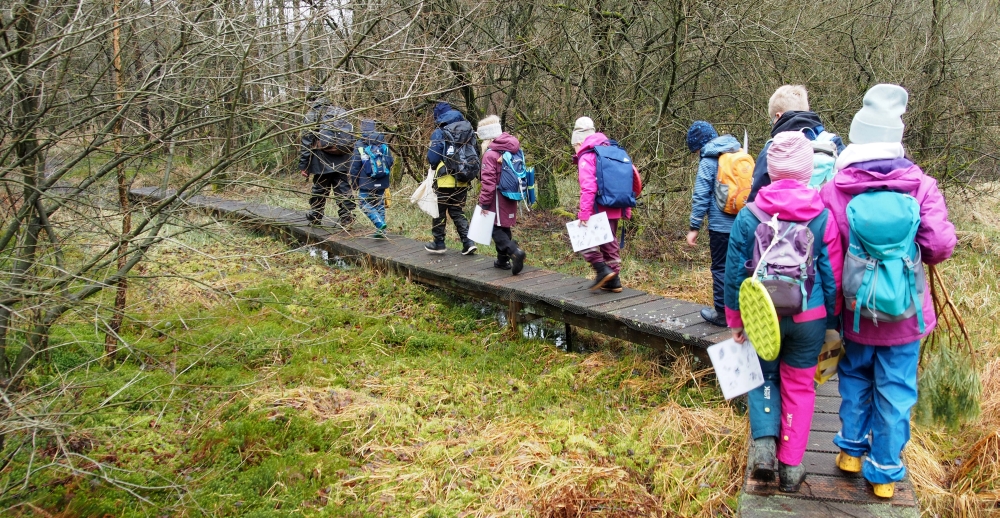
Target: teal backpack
883	275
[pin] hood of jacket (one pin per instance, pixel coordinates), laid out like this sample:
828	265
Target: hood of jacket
593	140
796	121
369	138
719	145
449	117
897	174
505	142
790	200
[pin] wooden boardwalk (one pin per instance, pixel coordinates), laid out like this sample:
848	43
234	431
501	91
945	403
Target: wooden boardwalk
631	315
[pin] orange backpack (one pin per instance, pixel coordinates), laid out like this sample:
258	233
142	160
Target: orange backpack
732	186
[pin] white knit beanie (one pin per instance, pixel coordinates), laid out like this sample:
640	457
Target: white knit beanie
583	128
880	118
489	128
790	157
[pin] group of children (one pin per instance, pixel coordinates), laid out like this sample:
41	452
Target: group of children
875	216
495	144
805	183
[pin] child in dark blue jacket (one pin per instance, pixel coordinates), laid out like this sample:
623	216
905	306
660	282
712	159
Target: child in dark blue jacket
370	167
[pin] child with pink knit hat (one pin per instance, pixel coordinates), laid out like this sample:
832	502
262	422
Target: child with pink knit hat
781	410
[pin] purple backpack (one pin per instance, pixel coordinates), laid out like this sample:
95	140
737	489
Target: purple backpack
783	261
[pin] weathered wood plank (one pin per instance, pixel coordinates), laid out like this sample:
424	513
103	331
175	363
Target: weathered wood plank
779	506
835	489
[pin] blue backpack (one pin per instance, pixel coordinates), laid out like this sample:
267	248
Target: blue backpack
614	176
376	160
883	275
517	181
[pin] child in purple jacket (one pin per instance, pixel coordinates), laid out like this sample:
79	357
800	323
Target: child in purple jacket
878	374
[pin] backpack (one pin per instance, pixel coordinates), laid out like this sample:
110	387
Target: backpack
334	135
517	181
783	260
461	159
733	182
883	276
614	176
824	158
376	160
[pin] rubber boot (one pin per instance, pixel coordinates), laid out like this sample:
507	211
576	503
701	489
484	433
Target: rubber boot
603	274
790	477
848	463
614	285
763	461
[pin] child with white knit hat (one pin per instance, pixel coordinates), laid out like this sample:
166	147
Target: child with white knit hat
878	373
781	410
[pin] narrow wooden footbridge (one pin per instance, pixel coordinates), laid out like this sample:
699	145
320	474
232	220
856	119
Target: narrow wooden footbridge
633	315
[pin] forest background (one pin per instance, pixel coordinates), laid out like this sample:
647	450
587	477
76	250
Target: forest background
98	97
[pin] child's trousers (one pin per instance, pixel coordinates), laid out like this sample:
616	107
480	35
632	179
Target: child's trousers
783	406
607	253
878	388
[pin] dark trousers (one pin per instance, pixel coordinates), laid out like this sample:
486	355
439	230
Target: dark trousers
322	185
718	245
451	201
504	242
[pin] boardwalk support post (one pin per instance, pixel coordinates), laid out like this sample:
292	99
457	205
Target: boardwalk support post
513	308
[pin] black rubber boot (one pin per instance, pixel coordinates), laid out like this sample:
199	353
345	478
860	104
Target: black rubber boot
602	275
614	285
763	459
517	261
790	477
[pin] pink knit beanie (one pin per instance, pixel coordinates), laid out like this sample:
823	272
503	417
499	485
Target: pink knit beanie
790	157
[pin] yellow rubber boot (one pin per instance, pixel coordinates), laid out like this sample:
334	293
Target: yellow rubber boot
884	490
848	463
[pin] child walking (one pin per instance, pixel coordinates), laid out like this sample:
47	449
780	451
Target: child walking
878	374
605	259
495	143
370	166
781	410
704	140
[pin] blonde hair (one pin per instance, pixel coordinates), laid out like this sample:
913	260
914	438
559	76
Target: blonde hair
788	98
485	144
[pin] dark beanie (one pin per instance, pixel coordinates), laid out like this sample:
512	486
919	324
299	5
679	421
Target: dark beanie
699	134
367	126
441	108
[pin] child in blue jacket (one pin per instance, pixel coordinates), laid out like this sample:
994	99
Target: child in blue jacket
371	189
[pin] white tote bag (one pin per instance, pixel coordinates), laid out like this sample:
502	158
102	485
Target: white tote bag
425	197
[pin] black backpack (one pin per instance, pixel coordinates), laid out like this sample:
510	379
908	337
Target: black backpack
334	135
461	158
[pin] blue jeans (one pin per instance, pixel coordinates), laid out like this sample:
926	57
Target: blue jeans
878	388
373	205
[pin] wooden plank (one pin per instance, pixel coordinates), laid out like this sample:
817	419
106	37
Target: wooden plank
828	404
830	388
666	313
780	506
826	423
836	489
614	305
527	277
822	442
824	463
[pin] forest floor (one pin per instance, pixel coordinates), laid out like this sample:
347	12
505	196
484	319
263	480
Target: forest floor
263	381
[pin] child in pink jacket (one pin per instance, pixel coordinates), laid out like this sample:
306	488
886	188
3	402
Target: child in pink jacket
878	374
605	259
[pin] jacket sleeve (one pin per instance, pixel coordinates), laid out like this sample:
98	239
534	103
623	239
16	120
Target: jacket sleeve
704	184
830	265
760	176
587	166
740	243
355	170
636	181
435	153
489	177
936	235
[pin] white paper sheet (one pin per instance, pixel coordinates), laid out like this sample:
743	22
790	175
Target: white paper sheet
736	367
596	233
481	226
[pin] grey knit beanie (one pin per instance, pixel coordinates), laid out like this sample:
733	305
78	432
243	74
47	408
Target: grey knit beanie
489	128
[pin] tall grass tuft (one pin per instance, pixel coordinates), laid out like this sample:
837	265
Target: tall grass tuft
949	388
